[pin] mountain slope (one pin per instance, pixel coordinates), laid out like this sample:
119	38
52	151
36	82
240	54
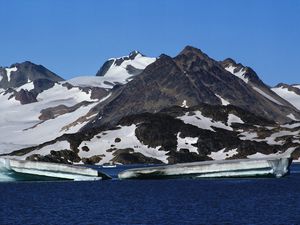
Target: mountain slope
174	135
42	110
190	78
251	78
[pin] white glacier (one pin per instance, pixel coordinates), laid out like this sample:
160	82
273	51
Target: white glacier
12	170
277	166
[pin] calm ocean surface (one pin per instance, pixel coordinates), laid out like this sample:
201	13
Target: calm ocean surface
183	201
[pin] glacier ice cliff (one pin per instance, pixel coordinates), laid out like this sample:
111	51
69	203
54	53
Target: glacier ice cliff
13	169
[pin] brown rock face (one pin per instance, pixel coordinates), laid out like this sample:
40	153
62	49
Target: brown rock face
25	97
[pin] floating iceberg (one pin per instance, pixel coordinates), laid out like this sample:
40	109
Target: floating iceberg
13	169
277	166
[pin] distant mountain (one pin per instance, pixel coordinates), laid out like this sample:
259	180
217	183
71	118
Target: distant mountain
116	71
139	109
126	66
26	80
290	93
22	73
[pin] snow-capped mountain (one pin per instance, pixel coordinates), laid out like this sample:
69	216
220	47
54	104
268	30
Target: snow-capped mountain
189	79
24	81
139	109
23	73
56	111
116	71
56	106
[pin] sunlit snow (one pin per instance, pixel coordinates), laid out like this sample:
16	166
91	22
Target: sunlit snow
224	102
21	127
8	72
202	122
240	74
290	96
106	140
116	74
223	154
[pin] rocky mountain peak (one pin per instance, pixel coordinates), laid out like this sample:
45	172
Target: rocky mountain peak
134	53
237	68
283	85
117	62
193	59
19	74
133	64
228	62
190	51
25	63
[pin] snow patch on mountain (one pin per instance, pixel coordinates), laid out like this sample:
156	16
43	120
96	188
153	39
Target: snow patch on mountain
9	70
28	86
240	74
186	143
104	141
292	116
291	126
224	102
261	155
234	119
202	122
251	136
184	104
223	154
273	139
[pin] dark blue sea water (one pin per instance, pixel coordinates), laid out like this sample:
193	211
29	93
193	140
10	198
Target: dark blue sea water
183	201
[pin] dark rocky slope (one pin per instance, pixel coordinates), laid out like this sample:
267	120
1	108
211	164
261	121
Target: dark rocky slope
190	77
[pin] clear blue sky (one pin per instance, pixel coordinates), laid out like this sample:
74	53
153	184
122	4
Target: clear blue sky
75	37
